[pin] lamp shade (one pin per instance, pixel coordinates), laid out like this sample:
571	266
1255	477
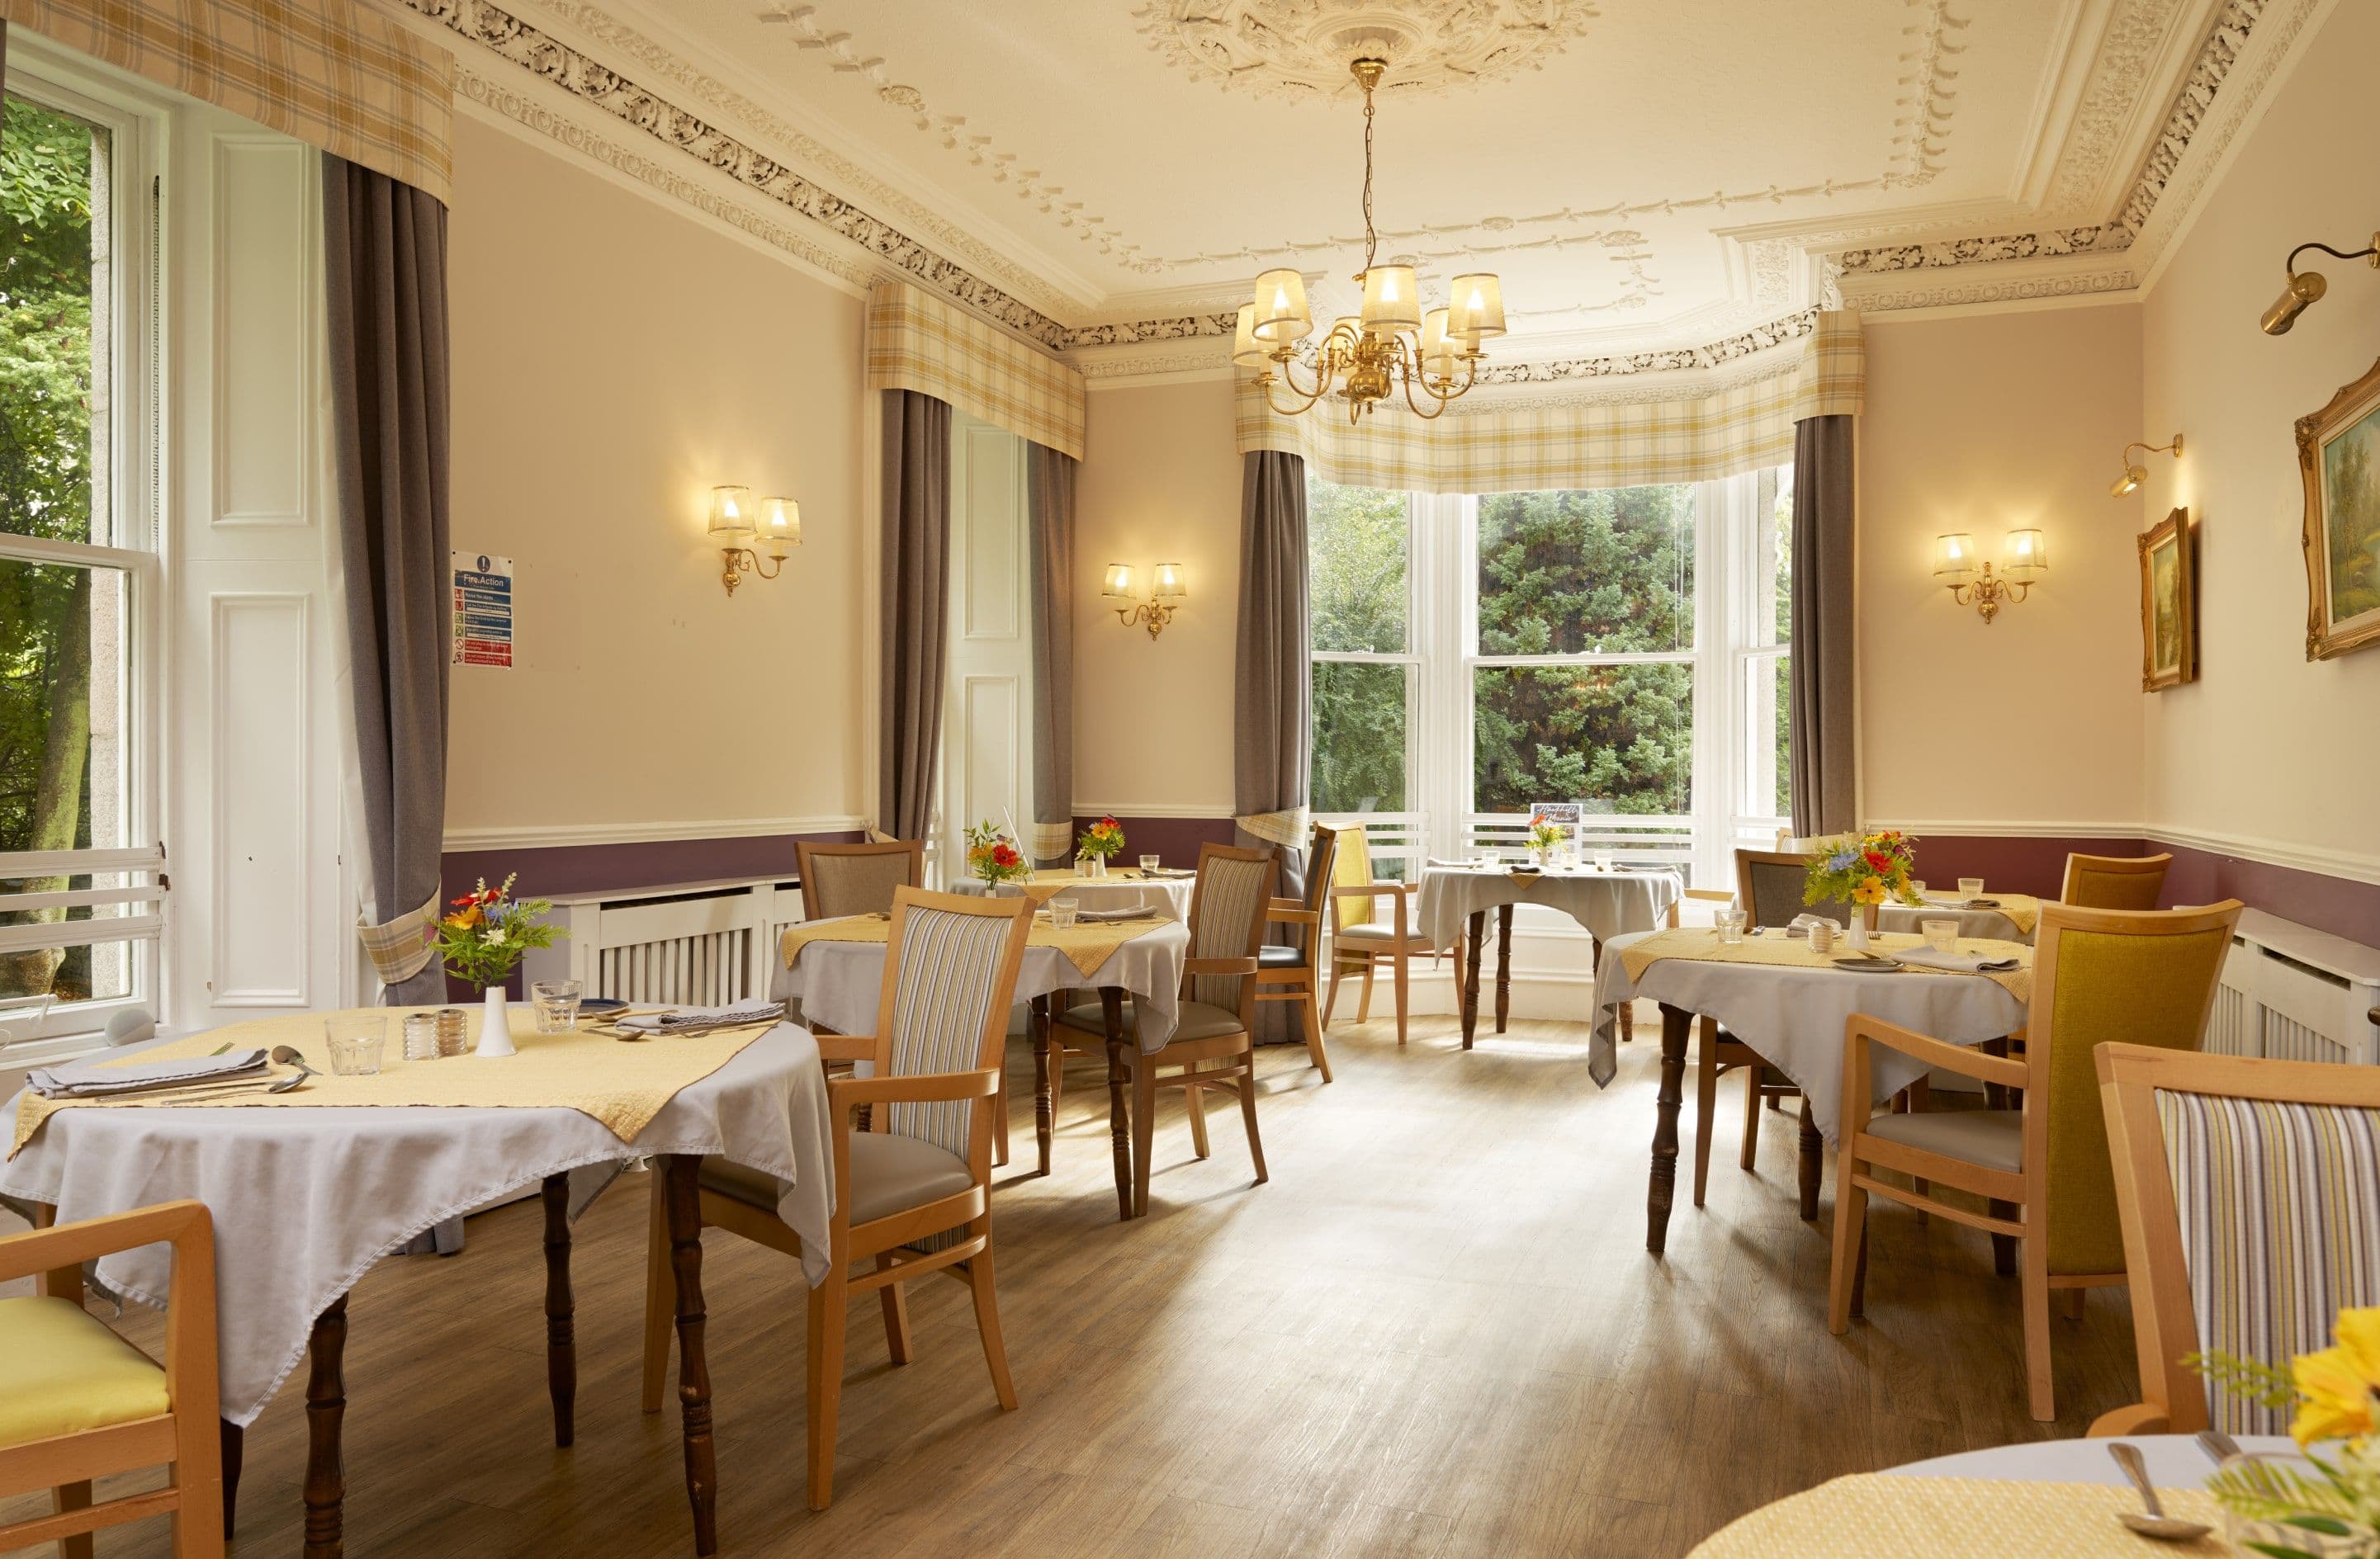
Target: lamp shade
2305	290
781	522
731	514
1247	350
1347	329
1476	308
1954	558
1168	584
2028	556
2129	482
1391	300
1119	583
1438	353
1281	315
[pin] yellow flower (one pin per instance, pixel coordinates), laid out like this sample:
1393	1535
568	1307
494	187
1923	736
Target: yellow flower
467	919
2339	1384
1870	890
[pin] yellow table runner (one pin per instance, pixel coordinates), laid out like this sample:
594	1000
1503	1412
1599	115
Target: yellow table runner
1086	943
1872	1514
1701	944
621	1085
2023	909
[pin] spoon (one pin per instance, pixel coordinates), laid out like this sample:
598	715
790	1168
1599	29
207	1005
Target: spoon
2220	1447
287	1056
2156	1523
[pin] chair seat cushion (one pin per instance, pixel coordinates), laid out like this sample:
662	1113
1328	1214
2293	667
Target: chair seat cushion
63	1372
889	1174
1380	936
1990	1139
1272	955
1199	1021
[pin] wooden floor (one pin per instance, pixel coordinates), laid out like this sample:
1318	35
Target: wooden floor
1435	1333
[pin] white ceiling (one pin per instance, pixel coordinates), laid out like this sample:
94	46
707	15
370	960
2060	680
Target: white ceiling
1643	172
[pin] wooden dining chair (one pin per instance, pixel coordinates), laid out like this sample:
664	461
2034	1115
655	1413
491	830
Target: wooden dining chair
1360	939
1769	890
2147	977
1290	970
79	1403
2250	1197
913	1185
2114	882
1214	1038
857	879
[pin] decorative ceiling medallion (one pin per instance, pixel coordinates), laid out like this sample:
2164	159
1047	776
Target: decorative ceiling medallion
1301	47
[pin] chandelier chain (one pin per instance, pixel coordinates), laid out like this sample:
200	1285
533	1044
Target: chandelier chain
1371	241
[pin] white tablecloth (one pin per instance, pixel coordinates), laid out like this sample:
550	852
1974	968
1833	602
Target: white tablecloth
2174	1460
1608	903
838	984
305	1200
1168	896
1794	1018
1988	924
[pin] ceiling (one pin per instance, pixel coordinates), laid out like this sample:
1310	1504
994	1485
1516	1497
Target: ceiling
1643	174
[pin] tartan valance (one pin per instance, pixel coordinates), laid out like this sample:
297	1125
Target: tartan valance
917	342
328	72
1630	440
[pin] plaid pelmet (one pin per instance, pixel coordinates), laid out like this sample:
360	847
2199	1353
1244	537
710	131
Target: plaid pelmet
328	72
919	343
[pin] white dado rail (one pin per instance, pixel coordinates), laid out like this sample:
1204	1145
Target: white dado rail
2291	993
701	943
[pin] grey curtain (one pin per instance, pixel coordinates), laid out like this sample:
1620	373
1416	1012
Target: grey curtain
1823	729
1049	502
915	643
1272	694
384	247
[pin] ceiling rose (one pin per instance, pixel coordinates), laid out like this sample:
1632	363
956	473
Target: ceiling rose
1299	47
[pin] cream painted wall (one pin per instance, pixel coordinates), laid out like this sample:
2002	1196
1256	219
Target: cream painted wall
1984	425
612	360
2267	749
1161	483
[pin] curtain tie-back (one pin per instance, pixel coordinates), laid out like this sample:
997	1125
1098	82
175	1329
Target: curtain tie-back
399	949
1288	828
1051	841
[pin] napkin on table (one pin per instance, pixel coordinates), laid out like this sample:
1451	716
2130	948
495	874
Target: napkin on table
1097	916
88	1080
705	1017
1966	963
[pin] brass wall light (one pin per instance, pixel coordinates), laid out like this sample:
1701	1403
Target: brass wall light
1166	593
2305	288
738	525
2134	475
1970	578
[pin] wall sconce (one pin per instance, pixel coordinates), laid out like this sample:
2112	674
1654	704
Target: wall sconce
1166	592
1957	565
2129	482
2305	289
736	525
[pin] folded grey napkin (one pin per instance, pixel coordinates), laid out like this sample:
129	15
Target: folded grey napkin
90	1079
1963	963
682	1018
1101	916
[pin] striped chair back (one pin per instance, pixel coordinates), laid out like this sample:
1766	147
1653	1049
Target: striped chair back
949	1005
857	879
1227	910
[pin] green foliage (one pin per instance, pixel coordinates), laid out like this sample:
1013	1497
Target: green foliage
1357	541
484	940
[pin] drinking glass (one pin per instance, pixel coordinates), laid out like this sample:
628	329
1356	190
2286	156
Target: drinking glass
1061	912
1917	886
1731	927
356	1043
1942	936
1150	864
555	1003
1603	859
1971	888
1822	936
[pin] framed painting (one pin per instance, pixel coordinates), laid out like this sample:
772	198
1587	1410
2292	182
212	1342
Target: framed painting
2339	457
2169	603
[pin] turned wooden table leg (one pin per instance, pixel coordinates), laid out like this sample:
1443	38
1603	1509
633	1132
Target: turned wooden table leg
1476	934
1045	1116
326	1407
1676	1023
561	1334
1119	1086
232	1441
685	1202
1813	1148
1503	965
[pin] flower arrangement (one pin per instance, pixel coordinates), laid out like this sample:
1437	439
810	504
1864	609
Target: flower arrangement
1104	838
1866	870
1547	836
486	931
993	856
2337	1394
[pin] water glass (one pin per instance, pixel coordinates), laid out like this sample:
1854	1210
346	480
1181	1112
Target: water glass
421	1036
1971	888
1150	864
1061	912
1917	886
556	1004
1731	927
356	1043
1822	936
1942	936
1603	859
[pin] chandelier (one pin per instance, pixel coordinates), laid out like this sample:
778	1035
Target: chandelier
1393	341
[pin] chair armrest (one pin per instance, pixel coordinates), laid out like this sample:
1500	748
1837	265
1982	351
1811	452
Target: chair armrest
1719	895
1218	966
846	1094
1292	917
845	1046
2138	1418
1277	905
1962	1060
1374	890
186	1226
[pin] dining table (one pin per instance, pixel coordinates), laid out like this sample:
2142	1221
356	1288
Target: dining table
1606	901
839	982
1121	888
1999	917
307	1196
1789	1005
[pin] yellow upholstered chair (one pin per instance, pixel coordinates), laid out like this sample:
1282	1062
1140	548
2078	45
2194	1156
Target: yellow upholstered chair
914	1184
78	1402
2250	1191
2148	978
1361	937
2114	882
1289	971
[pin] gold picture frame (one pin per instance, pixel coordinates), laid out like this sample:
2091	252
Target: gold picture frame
2169	603
2339	459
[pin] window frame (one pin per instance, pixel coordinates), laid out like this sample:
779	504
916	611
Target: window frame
1398	837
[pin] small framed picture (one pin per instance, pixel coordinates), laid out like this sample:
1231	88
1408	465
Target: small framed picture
2338	458
2169	603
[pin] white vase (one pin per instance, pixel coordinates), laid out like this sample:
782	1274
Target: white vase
495	1026
1095	865
1855	938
